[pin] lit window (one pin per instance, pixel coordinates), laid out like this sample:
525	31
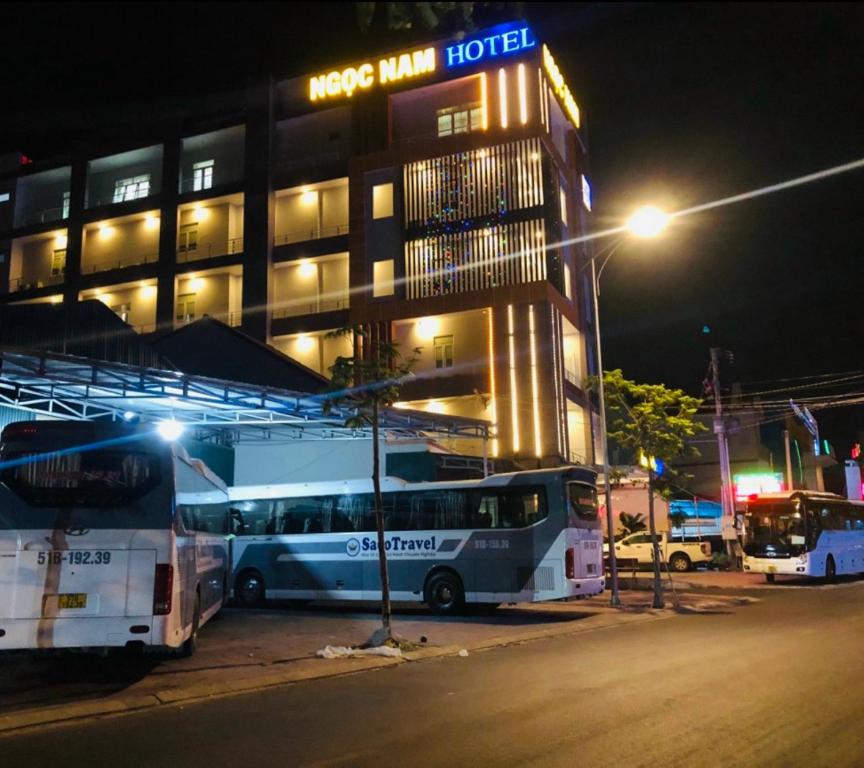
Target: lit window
382	201
443	351
132	189
66	197
382	278
188	239
4	197
568	282
122	311
186	307
58	262
202	175
586	193
461	119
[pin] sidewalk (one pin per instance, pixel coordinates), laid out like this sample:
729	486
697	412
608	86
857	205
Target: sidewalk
721	580
245	650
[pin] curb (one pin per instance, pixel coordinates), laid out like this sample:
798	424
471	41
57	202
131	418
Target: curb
301	670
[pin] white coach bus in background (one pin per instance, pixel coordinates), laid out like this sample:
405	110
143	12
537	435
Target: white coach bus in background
523	536
110	536
803	533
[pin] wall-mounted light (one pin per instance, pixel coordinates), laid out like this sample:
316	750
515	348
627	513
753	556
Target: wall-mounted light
428	327
308	196
200	213
60	241
105	231
308	269
151	222
195	284
305	343
147	291
435	406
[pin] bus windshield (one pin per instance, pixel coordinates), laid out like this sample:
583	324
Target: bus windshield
779	528
94	478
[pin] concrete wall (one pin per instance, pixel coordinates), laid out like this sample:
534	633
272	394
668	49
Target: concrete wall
121	243
315	351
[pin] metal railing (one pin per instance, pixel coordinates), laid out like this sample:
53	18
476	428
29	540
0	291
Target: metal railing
310	234
28	284
210	250
234	318
299	309
98	202
573	377
121	263
41	217
576	458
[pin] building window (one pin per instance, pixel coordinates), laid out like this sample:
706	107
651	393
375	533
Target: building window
188	239
66	198
462	119
122	311
382	278
443	351
568	282
4	197
58	262
132	189
382	201
186	307
202	175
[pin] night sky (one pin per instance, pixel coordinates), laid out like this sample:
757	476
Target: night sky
685	104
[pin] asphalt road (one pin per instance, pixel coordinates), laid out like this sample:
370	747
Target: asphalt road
777	683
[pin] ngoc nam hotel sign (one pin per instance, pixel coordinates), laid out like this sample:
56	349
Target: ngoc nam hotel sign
393	69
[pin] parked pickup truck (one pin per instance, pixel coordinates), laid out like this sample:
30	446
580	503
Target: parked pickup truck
680	556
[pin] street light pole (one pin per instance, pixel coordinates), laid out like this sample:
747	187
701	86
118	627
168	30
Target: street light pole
610	525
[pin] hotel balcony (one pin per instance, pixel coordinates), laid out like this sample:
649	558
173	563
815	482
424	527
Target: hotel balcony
315	350
42	197
134	303
212	160
210	228
311	212
123	178
118	243
310	286
37	261
215	292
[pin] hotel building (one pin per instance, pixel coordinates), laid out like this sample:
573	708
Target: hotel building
421	194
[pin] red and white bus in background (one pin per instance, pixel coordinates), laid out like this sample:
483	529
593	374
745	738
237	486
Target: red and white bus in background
110	536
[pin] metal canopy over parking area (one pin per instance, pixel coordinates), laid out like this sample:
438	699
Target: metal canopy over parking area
76	388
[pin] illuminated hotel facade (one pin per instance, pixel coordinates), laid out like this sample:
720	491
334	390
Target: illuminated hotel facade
415	194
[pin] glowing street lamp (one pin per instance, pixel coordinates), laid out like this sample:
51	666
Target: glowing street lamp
648	221
644	223
169	430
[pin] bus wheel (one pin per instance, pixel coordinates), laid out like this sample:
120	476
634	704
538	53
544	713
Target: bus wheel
250	589
769	577
679	562
191	645
444	593
830	569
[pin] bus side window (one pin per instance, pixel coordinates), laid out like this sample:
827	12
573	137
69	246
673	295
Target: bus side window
487	512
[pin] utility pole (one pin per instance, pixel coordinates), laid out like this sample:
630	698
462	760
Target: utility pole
727	501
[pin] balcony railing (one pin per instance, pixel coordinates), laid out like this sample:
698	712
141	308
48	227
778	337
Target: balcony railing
109	198
188	185
233	318
573	377
29	283
118	263
577	458
41	217
310	234
301	308
208	251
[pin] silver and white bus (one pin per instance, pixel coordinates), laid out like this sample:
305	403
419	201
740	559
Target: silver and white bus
803	533
524	536
109	536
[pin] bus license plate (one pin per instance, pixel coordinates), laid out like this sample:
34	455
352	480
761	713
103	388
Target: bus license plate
72	600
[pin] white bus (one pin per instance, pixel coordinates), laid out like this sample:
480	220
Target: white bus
109	537
803	533
524	536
